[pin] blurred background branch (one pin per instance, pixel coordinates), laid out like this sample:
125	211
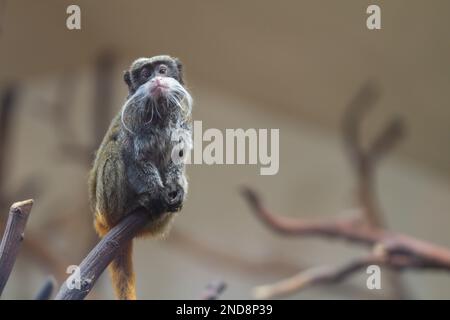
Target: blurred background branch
397	251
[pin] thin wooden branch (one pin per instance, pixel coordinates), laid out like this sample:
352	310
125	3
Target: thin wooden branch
366	160
214	290
313	276
419	254
362	102
12	238
103	253
275	265
343	228
386	140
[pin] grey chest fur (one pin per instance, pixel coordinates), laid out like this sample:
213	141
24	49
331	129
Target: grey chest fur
153	146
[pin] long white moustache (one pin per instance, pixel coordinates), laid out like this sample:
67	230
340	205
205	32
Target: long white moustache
179	96
176	95
137	98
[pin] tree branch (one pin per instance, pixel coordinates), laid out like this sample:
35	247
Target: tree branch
361	103
343	228
417	253
12	238
366	160
313	276
103	253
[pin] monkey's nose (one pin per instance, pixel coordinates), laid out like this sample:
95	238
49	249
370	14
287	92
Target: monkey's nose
158	80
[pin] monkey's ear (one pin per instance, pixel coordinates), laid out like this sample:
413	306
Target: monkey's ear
180	70
127	79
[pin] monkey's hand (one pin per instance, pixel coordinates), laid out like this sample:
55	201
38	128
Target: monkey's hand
174	197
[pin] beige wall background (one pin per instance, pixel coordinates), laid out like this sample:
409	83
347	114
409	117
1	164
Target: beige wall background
292	65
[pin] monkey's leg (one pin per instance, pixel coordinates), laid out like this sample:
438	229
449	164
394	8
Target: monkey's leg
111	190
110	198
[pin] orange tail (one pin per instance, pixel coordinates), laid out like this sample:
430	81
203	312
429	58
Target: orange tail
122	275
121	268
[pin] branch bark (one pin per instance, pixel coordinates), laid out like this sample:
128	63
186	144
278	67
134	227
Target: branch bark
101	256
12	238
313	276
417	253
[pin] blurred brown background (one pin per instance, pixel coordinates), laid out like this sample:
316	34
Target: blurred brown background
292	65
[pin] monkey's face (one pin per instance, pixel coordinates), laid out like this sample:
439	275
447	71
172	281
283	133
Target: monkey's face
156	91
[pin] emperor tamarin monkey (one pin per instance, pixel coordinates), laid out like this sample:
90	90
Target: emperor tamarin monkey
140	162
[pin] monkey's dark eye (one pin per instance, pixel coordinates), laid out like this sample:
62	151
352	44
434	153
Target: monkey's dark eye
181	153
162	69
145	74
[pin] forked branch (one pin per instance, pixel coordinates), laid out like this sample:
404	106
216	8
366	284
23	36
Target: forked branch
393	250
12	238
